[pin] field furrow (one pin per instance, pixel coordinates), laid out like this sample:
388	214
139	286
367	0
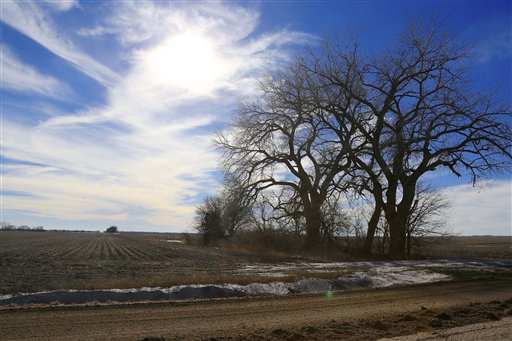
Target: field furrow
36	261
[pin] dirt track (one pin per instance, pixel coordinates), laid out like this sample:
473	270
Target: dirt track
268	318
496	330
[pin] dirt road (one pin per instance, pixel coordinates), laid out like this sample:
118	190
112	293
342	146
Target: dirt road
262	318
488	331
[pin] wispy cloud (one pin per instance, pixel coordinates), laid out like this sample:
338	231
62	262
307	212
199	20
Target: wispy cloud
30	19
134	22
491	39
496	46
62	5
145	152
22	77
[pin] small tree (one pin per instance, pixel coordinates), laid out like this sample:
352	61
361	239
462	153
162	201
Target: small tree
112	229
223	215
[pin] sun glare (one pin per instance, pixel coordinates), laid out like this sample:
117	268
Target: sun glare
186	61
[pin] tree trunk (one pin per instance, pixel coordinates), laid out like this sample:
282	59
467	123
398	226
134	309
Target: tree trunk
397	236
372	227
403	237
409	239
313	224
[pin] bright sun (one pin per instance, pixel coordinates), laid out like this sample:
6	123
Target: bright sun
186	61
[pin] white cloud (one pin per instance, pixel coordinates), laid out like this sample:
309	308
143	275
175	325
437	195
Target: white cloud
138	22
29	19
486	209
95	32
62	5
22	77
147	151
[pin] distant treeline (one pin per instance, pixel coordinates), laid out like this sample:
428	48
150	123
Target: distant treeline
11	227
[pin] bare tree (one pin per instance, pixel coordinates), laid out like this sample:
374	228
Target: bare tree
236	206
261	216
283	142
427	218
268	214
336	119
221	216
417	114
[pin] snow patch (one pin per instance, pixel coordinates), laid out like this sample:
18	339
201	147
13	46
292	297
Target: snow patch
361	275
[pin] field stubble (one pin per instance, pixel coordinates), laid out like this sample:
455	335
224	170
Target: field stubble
37	261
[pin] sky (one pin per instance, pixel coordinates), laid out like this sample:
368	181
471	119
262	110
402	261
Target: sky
109	109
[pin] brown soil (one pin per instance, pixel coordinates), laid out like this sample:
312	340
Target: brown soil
39	261
357	315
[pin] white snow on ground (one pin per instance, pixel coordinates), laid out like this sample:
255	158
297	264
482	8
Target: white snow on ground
285	269
375	278
389	276
358	275
262	289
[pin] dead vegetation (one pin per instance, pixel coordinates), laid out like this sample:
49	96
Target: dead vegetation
34	261
470	247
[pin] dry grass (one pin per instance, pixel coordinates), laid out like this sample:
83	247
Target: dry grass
470	247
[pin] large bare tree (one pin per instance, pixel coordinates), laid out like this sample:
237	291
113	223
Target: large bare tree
417	113
381	122
284	142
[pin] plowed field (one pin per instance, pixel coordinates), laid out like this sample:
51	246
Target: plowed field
35	261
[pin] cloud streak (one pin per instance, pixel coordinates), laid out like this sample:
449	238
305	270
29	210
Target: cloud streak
30	19
62	5
19	76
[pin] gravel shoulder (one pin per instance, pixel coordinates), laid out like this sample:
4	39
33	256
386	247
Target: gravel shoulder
356	315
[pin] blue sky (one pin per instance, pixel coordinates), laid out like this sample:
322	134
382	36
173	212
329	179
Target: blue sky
109	108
